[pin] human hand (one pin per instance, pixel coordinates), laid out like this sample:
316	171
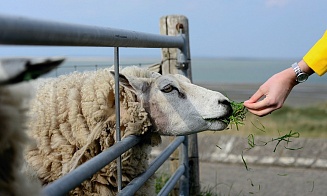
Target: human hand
272	94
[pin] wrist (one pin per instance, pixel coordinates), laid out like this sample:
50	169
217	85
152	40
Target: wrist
301	73
305	68
291	76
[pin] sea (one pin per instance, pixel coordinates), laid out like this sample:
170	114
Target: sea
204	70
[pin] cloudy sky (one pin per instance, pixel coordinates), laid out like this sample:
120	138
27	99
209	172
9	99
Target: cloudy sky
218	28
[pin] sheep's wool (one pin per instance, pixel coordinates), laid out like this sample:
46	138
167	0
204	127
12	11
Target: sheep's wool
73	119
12	141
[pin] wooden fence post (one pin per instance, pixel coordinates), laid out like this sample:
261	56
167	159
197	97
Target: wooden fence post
172	25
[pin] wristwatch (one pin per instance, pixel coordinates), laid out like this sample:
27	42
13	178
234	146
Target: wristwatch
300	75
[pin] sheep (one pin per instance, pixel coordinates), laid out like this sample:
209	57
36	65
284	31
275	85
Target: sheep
12	142
73	119
15	94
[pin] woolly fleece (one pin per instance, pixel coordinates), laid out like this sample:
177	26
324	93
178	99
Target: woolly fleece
73	119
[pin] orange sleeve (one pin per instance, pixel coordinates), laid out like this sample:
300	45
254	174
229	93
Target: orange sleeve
316	58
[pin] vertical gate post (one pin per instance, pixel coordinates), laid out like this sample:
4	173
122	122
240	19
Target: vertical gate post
172	63
117	104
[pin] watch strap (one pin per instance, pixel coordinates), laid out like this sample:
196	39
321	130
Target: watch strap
296	68
300	75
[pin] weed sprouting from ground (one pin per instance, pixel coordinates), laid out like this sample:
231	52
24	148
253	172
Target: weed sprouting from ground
161	181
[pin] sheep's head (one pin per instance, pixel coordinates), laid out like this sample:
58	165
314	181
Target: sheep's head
177	107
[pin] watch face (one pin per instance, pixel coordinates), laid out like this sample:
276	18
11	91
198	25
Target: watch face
302	77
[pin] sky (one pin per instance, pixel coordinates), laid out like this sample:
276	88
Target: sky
218	28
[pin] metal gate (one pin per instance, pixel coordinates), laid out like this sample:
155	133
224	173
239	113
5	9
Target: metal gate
23	31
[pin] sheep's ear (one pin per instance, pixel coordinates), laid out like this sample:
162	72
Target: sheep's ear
155	75
137	85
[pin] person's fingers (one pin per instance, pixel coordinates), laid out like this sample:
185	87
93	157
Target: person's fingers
260	108
260	105
247	103
262	112
256	96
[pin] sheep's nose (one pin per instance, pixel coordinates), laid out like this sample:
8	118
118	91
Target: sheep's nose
227	105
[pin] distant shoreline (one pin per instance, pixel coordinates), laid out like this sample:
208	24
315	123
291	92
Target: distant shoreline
207	72
301	96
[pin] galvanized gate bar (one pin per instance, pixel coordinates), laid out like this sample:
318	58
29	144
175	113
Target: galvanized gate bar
117	106
137	183
24	31
185	179
170	184
71	180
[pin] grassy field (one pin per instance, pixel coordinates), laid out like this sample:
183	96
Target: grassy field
309	122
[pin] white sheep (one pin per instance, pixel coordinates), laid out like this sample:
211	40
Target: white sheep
73	119
15	94
12	141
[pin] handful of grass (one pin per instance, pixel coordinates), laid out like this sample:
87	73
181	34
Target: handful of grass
238	115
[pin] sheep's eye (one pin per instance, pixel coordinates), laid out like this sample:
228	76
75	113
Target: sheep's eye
167	89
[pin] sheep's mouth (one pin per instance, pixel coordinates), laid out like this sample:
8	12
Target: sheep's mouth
223	119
